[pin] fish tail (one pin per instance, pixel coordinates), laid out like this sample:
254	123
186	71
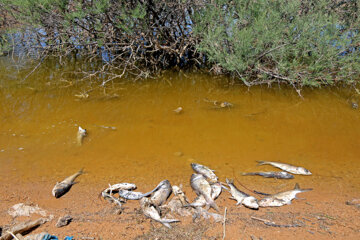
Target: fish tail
229	181
213	205
261	163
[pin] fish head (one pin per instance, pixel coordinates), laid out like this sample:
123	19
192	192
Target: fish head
251	202
303	171
177	190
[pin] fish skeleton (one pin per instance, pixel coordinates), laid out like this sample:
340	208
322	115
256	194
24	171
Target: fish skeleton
202	187
80	135
241	197
282	198
63	187
161	194
177	190
287	167
150	211
130	195
278	175
207	172
119	186
200	200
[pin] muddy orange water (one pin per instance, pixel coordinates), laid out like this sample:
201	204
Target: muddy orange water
135	136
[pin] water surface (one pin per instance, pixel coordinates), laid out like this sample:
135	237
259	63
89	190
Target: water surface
39	117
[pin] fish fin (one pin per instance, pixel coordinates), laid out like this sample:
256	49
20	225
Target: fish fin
238	203
229	181
73	183
297	187
166	225
261	163
214	206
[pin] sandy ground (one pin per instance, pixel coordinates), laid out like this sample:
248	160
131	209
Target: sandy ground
322	214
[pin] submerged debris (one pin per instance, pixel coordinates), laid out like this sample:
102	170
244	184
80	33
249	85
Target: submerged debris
81	134
178	110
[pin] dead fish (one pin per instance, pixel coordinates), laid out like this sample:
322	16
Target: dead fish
177	190
282	198
219	103
200	200
161	194
63	187
130	195
287	167
80	135
241	197
207	172
119	186
150	211
178	110
202	187
278	175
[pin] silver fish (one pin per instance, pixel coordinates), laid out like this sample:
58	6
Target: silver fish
241	197
161	194
278	175
200	200
202	187
282	198
287	167
207	172
150	211
80	135
63	187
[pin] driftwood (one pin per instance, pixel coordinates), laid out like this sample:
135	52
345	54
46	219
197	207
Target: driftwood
23	228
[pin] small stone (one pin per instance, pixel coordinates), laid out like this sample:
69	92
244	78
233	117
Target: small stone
20	148
63	221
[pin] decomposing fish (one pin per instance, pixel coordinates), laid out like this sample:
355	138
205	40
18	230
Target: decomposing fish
150	211
279	175
177	190
241	197
161	194
287	167
80	135
282	198
178	110
119	186
63	187
202	187
130	195
200	200
219	104
207	172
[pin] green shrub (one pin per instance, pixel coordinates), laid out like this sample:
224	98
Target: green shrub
299	42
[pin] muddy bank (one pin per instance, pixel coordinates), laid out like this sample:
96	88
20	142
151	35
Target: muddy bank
322	214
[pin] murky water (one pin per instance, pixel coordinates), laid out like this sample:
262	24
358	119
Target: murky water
39	117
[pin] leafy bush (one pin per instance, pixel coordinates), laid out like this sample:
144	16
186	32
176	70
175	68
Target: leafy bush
299	42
